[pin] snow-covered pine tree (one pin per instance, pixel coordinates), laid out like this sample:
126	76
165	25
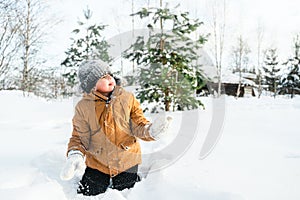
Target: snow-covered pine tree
271	70
168	71
290	82
89	44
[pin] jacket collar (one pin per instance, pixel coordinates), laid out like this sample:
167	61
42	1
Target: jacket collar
97	96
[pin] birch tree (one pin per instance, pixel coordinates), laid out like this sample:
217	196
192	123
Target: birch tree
260	35
240	59
32	35
8	34
219	29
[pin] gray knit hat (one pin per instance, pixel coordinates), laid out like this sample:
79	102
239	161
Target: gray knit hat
89	73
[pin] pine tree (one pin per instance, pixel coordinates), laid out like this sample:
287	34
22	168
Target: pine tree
89	45
168	72
291	81
271	70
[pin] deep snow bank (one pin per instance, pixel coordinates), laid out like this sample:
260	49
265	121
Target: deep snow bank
258	156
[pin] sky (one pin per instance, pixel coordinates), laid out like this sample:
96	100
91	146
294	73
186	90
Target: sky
279	20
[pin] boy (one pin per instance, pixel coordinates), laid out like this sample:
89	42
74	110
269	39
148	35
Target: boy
107	122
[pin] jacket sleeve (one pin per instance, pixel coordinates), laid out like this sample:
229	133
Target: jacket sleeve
139	124
81	132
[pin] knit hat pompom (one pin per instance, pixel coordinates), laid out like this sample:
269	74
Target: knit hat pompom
90	71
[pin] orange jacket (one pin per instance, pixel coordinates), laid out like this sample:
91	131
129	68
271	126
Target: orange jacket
106	132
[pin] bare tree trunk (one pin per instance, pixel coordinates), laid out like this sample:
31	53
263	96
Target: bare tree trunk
238	92
222	38
219	38
161	23
132	22
34	27
216	52
161	46
8	44
240	56
258	71
27	47
275	89
167	101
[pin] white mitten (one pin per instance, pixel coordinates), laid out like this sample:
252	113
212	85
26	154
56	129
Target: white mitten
75	163
160	126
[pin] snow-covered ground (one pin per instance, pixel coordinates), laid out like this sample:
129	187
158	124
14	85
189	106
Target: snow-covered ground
256	158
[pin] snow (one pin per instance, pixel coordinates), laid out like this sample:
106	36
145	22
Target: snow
234	78
257	156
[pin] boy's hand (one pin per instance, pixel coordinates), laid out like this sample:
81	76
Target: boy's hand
160	126
75	163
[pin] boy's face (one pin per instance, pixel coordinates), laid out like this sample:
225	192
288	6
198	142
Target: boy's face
105	84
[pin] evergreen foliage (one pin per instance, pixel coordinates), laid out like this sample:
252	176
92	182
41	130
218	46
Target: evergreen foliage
271	70
90	44
290	83
167	60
